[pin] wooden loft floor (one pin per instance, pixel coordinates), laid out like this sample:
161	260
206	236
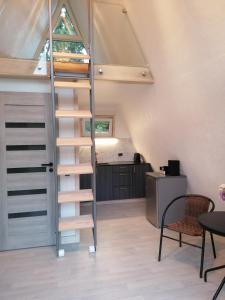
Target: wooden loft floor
34	69
24	68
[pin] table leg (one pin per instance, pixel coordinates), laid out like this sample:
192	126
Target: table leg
219	289
202	253
212	269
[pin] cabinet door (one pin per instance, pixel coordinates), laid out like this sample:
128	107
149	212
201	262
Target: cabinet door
151	200
104	183
139	180
85	181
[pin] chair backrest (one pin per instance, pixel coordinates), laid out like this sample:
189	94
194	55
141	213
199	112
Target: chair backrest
195	205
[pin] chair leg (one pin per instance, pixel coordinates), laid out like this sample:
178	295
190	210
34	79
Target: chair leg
219	289
180	239
202	253
160	244
213	245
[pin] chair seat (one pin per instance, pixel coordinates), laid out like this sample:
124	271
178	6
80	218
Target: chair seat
187	226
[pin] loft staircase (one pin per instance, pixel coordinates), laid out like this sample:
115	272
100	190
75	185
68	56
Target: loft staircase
73	82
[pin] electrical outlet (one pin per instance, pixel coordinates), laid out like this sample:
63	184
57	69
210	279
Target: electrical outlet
120	154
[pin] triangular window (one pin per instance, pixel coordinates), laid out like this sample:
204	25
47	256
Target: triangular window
64	23
66	35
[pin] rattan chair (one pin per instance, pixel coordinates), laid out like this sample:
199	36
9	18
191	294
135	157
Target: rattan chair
194	206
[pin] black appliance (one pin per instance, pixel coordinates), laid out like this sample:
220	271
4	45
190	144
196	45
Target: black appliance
165	169
137	158
174	167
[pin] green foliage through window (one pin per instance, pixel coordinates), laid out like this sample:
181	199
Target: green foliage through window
64	24
63	46
100	126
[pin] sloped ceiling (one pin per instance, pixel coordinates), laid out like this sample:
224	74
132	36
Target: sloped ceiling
24	24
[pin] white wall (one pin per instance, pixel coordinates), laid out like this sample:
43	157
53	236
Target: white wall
181	116
107	98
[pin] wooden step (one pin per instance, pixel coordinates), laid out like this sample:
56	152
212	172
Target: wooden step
73	114
79	222
71	55
74	169
71	67
80	196
81	141
81	84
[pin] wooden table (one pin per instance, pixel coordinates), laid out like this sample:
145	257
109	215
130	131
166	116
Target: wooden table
214	222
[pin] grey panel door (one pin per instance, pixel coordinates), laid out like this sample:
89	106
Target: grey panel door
27	188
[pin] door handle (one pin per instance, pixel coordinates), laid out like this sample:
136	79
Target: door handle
47	165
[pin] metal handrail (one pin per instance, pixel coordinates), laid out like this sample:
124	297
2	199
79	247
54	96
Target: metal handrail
53	106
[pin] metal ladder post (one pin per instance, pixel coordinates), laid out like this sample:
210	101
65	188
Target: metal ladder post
92	107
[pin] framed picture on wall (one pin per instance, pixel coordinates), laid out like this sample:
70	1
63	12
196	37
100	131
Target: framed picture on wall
104	126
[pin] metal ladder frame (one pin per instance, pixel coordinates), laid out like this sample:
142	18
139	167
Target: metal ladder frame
55	123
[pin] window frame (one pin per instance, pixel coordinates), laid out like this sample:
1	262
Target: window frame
68	38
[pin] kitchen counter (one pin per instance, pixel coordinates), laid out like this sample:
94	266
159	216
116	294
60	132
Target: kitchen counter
115	163
160	175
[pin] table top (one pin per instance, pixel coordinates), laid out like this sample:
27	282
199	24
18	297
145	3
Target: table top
213	222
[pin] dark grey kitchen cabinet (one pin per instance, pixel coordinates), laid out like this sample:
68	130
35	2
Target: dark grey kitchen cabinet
104	183
139	179
85	181
116	181
104	177
122	181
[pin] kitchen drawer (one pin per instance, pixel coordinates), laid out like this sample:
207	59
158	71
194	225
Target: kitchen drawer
122	192
122	179
122	169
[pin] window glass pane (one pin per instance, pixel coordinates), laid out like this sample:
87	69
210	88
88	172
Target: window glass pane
115	41
102	126
63	46
68	46
64	24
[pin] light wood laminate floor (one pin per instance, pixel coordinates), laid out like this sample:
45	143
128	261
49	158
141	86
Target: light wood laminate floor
124	268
